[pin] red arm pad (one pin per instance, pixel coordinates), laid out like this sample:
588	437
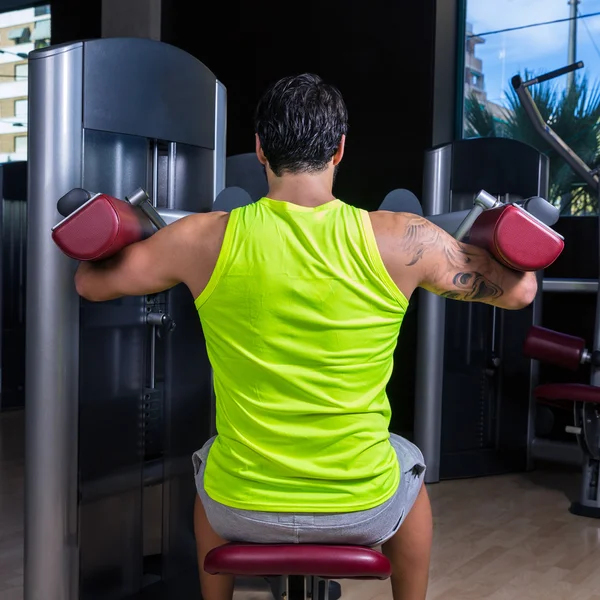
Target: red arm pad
516	238
553	347
100	228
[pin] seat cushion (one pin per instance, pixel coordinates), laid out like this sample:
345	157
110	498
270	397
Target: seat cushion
330	562
575	392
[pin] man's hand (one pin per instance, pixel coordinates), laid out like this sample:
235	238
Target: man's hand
418	253
183	252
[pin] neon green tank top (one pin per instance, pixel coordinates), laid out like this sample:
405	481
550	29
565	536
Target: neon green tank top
301	320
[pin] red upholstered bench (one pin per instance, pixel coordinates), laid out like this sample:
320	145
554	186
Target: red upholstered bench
316	562
572	392
569	352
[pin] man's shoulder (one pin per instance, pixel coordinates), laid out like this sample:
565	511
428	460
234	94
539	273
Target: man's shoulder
389	222
209	222
204	231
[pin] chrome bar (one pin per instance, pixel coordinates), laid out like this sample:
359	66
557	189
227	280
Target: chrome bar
170	215
566	285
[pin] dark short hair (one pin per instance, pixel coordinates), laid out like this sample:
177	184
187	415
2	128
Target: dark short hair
300	121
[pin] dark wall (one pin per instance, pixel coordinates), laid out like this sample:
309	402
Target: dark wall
74	20
379	54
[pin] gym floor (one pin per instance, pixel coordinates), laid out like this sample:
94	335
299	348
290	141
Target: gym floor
498	538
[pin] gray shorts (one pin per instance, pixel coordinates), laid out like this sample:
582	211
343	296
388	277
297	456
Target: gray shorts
369	527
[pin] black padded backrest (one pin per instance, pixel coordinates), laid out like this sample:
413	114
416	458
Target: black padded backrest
402	200
246	172
230	198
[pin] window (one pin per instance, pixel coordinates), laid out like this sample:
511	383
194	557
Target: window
31	26
21	108
20	35
41	33
42	10
21	72
21	144
505	38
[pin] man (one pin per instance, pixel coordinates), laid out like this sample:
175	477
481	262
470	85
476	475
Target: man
301	298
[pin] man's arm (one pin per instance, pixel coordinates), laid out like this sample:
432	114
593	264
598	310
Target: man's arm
183	252
420	254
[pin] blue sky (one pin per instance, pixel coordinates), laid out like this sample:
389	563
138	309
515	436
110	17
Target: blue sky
537	49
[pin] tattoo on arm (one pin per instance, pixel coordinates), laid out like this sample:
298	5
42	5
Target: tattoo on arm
473	286
469	284
419	237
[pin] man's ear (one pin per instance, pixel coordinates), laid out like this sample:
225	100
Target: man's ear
339	153
259	151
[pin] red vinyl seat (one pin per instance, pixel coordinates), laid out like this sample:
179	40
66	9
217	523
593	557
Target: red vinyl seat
269	560
575	392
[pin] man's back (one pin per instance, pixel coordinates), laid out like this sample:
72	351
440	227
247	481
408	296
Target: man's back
301	320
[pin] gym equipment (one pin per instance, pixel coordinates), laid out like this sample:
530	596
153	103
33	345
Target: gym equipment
315	565
563	350
472	413
13	219
232	197
100	228
513	236
569	352
97	226
114	412
245	171
401	200
516	238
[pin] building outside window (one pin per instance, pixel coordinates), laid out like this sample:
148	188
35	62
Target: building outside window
21	31
21	72
528	38
39	11
21	107
21	144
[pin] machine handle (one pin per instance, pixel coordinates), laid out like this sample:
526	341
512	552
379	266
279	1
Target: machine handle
483	201
162	321
73	200
550	136
141	199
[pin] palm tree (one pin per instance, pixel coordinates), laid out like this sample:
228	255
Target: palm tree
574	114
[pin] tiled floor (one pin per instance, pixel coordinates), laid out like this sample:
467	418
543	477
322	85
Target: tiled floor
497	538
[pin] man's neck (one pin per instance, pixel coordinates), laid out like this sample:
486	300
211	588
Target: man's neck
302	189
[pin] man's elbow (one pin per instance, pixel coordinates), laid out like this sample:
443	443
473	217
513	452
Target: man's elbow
525	293
85	284
81	285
